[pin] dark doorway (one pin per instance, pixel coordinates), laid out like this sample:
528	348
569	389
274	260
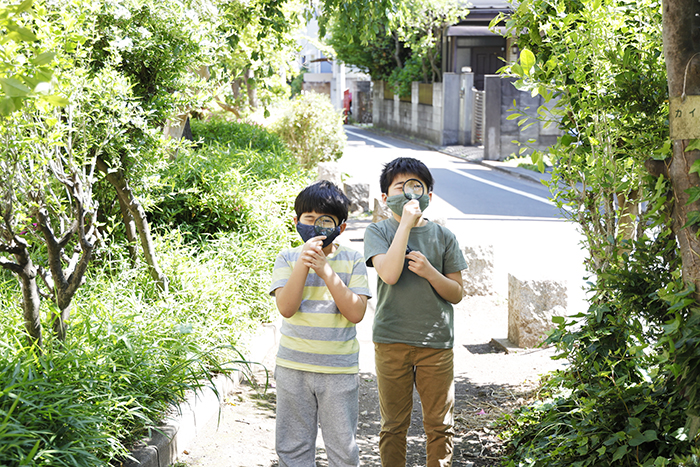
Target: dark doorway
486	60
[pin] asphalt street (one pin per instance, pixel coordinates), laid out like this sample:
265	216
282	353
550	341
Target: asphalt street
529	235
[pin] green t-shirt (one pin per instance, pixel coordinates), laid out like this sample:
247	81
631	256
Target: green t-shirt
411	311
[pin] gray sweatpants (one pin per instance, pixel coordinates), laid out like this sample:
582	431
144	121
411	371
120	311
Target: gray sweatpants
306	400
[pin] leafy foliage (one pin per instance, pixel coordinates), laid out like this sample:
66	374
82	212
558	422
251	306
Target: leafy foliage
312	129
618	403
208	190
631	379
600	67
259	49
378	58
394	41
401	79
134	352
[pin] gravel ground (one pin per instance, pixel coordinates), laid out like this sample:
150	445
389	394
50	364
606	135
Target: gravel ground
488	381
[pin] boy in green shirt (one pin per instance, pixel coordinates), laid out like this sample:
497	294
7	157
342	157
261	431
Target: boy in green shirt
419	266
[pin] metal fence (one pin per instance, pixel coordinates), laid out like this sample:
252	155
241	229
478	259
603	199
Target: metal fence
478	117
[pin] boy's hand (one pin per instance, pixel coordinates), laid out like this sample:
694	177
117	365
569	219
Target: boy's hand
419	264
314	244
411	213
312	257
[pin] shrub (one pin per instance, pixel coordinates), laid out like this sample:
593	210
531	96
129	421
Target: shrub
312	129
618	402
133	352
219	187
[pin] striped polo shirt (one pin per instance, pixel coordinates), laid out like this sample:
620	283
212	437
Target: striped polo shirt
318	338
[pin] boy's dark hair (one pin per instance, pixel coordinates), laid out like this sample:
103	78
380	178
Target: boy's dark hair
323	197
405	166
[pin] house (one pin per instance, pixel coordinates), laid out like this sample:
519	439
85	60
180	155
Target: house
471	45
471	104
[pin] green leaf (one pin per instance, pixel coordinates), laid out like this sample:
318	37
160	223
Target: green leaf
693	146
695	167
14	88
693	219
619	453
7	106
58	101
44	58
640	438
24	6
558	319
23	35
693	193
527	59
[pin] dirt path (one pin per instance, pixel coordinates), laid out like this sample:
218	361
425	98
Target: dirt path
488	383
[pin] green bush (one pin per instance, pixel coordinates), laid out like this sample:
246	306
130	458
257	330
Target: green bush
132	352
619	401
84	401
243	135
401	79
312	129
219	187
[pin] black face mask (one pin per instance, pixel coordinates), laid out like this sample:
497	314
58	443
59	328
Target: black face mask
308	232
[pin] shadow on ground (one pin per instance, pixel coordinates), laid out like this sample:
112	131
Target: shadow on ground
245	434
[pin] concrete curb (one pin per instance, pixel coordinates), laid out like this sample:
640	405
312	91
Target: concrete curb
164	445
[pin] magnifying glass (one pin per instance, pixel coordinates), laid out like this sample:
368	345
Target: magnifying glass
324	225
413	188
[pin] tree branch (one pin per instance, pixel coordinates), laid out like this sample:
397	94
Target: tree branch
11	266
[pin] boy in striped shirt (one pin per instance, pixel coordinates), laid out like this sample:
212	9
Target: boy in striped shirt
321	290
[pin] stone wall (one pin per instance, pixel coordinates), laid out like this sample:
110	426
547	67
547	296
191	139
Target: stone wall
448	120
499	132
412	118
319	87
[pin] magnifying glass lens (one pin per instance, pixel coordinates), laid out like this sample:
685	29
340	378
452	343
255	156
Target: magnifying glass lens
413	189
324	225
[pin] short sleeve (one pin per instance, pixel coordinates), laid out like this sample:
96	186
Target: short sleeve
453	259
359	283
281	273
376	243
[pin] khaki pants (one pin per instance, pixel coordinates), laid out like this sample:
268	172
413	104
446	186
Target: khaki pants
399	367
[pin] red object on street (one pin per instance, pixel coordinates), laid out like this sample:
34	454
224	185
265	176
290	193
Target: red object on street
347	105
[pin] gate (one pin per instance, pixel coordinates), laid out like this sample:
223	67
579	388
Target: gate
478	118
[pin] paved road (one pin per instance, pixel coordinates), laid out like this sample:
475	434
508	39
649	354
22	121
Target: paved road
483	207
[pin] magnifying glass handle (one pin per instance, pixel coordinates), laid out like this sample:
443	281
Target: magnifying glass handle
408	249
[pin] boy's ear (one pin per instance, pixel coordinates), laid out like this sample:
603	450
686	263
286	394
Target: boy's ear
295	220
384	198
343	226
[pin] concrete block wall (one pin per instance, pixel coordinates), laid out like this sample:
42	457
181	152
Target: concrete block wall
413	118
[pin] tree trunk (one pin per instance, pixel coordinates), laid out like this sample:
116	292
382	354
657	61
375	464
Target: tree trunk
31	300
683	68
31	303
252	88
67	280
131	234
120	184
397	50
